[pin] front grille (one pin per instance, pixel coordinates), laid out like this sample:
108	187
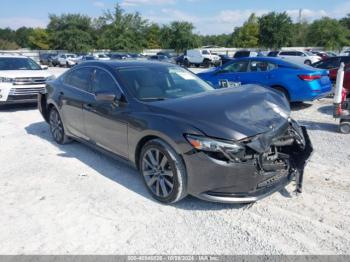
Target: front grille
26	91
29	81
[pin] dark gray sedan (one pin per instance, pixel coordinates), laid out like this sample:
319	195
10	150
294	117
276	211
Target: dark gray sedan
232	145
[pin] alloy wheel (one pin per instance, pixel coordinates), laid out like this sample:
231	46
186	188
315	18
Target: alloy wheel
158	173
56	126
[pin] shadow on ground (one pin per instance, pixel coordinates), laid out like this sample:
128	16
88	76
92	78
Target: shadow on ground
127	175
297	106
327	127
327	110
17	107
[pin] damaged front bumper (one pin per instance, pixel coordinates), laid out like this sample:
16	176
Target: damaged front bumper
270	162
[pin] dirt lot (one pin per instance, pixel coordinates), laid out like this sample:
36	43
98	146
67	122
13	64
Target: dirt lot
72	200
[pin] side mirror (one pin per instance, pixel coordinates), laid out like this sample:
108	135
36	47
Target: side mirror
44	67
105	97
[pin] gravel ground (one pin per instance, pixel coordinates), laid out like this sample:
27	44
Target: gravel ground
72	200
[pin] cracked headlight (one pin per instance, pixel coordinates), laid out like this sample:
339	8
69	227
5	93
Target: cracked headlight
213	145
6	80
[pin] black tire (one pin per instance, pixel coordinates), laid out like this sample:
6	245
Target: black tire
187	63
307	62
282	90
56	127
164	173
344	127
206	63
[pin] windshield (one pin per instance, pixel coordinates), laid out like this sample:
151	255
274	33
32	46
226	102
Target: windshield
161	83
205	52
16	63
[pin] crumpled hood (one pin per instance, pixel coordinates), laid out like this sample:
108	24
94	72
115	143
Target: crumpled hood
230	113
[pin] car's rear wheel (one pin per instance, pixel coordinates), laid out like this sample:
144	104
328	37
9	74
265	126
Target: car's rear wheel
307	62
344	127
187	63
163	172
57	128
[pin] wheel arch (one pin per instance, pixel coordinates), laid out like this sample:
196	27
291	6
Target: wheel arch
283	89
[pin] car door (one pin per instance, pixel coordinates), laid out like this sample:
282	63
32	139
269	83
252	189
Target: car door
259	72
105	121
230	74
72	97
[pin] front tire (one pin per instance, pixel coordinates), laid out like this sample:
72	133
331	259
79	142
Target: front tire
57	128
163	172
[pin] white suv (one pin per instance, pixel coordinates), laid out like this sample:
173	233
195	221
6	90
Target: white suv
21	79
299	57
201	57
67	60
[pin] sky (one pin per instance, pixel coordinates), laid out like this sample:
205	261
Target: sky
208	16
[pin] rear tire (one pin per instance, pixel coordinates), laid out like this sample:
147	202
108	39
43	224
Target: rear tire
56	127
307	62
187	63
344	127
163	172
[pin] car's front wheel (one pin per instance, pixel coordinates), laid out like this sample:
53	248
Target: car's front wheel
163	172
57	128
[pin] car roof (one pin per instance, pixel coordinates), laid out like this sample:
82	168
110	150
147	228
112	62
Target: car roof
122	64
275	60
4	55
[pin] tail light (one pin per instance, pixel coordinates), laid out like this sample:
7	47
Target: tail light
309	78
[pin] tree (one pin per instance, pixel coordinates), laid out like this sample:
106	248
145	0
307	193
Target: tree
39	39
328	33
248	34
300	31
153	36
7	45
275	30
180	36
22	36
73	32
122	31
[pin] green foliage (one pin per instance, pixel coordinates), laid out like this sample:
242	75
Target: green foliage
122	31
22	36
7	45
180	36
248	34
275	30
39	39
223	40
117	30
72	32
300	31
153	36
328	33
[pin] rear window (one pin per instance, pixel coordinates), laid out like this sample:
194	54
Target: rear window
240	54
16	63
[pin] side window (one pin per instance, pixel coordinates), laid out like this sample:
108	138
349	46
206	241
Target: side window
261	66
299	54
79	78
103	82
236	67
286	53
